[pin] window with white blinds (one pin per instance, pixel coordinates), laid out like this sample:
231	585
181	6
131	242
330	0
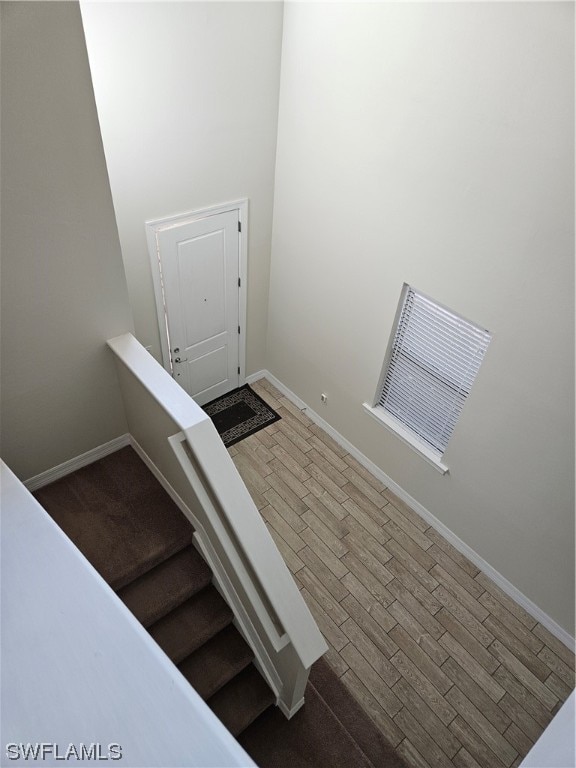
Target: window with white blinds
431	366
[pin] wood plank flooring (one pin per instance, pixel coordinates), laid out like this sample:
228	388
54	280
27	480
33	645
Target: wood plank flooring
451	670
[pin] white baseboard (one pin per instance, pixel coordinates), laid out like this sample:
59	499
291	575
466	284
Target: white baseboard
67	467
289	713
505	585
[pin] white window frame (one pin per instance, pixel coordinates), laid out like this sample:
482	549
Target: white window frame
430	453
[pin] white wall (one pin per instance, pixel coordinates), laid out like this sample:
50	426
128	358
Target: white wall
433	144
187	96
63	285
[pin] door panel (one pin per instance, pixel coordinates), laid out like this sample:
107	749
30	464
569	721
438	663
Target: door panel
202	274
208	371
199	262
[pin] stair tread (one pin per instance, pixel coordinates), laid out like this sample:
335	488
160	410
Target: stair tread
331	729
118	515
191	624
160	590
216	662
242	700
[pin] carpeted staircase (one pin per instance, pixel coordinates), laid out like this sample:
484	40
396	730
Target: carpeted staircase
126	525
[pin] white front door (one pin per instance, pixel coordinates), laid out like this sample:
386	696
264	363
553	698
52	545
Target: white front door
199	261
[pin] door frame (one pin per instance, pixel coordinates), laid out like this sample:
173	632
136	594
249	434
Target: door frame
153	229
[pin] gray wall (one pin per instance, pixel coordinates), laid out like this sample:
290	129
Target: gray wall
63	285
433	144
187	96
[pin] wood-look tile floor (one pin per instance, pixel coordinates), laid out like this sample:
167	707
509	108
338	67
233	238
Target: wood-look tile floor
452	671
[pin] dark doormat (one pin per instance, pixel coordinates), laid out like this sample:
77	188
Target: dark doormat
239	413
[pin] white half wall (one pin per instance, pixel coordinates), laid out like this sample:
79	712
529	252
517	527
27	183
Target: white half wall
433	143
187	97
63	284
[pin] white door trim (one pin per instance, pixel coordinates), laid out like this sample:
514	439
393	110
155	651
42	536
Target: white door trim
155	226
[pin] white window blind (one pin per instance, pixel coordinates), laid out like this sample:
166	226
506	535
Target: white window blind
431	366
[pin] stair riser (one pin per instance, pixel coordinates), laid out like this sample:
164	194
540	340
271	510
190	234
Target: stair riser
195	643
137	573
166	587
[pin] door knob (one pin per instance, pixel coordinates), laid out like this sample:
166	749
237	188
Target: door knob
180	360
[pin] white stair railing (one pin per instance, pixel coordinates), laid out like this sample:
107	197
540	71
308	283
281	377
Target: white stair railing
181	446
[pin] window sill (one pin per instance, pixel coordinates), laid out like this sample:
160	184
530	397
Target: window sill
400	431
